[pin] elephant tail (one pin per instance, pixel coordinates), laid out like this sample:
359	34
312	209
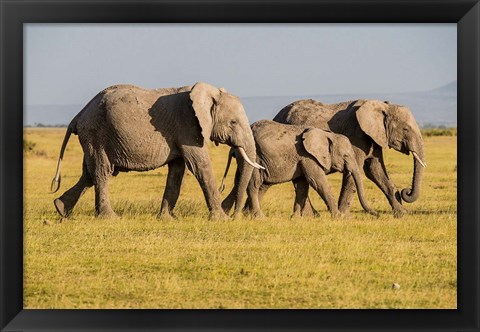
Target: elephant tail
57	179
231	154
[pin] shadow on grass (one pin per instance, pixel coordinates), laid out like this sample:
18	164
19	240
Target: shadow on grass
184	208
433	212
148	174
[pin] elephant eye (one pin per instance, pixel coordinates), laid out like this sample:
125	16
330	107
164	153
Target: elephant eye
233	122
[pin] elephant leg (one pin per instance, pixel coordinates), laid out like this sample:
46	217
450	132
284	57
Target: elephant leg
262	190
198	161
103	207
176	171
317	178
248	207
302	205
100	168
347	193
255	190
375	170
65	203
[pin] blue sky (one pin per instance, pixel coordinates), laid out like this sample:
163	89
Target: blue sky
70	63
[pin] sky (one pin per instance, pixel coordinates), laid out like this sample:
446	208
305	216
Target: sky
66	64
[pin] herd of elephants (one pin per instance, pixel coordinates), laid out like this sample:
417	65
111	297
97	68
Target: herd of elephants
129	128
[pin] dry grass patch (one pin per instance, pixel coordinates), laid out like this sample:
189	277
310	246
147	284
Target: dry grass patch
141	262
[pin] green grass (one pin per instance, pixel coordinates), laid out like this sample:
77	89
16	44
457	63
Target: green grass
141	262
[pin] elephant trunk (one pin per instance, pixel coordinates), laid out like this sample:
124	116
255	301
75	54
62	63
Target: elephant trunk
229	201
411	195
246	161
361	192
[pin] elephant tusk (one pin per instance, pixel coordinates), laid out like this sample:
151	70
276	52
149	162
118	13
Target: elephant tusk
418	159
251	163
259	166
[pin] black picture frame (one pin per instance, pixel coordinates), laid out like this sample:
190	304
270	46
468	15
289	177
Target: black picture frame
14	13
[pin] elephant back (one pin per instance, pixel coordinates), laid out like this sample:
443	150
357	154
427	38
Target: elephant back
307	112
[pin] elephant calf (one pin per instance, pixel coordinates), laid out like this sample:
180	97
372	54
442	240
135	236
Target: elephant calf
298	153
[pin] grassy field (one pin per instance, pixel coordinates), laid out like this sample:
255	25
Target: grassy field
141	262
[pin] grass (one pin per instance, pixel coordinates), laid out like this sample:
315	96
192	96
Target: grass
141	262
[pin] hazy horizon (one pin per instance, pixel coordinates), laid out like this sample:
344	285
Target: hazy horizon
347	93
68	64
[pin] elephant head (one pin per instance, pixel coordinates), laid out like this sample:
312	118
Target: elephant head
394	126
222	119
335	152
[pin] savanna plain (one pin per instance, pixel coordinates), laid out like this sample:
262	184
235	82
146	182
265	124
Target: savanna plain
139	261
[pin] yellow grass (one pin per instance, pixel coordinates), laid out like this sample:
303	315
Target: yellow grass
141	262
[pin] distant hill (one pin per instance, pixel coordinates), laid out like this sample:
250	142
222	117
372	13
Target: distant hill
449	90
437	107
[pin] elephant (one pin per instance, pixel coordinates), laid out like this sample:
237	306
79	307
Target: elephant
130	128
371	126
293	153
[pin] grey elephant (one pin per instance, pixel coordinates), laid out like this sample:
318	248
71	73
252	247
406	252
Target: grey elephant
371	126
293	153
129	128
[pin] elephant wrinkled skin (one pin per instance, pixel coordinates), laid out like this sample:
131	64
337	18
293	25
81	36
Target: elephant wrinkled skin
129	128
302	155
371	126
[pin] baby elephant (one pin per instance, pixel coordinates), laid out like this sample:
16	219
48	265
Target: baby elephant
297	153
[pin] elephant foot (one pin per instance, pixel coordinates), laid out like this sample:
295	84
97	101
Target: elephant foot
218	215
336	215
399	212
107	214
258	215
344	208
238	215
63	209
246	211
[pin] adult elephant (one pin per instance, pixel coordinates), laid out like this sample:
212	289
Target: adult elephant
371	126
129	128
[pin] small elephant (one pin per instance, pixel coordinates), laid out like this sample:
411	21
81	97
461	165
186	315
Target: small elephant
129	128
297	153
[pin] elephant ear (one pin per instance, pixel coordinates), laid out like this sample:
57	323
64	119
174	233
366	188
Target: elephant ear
203	97
318	144
371	117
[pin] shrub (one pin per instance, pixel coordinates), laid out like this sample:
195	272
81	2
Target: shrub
427	132
28	146
31	147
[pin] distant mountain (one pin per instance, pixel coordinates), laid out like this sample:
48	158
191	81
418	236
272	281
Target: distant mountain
449	90
437	107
